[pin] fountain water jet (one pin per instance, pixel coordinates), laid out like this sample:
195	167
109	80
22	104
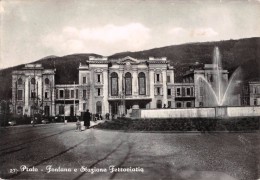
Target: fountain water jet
219	91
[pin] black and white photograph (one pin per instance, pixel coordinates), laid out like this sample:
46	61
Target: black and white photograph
130	89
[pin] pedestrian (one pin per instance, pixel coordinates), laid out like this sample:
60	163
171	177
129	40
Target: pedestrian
78	125
107	116
87	119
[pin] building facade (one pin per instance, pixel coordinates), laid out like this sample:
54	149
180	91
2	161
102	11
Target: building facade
204	86
33	90
112	86
118	86
251	93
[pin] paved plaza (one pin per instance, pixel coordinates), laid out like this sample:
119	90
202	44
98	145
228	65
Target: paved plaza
57	151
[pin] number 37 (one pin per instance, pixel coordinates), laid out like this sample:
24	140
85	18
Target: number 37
13	170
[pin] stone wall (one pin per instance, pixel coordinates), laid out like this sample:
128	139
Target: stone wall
201	112
243	111
178	113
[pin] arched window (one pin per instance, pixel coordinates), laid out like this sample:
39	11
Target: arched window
128	84
159	104
99	107
20	81
188	104
178	104
33	81
142	83
47	81
114	84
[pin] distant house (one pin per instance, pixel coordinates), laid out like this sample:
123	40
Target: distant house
201	84
251	93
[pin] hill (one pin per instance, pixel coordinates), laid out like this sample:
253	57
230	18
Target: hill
235	53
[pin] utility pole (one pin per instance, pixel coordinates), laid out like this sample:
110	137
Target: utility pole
34	107
74	96
64	103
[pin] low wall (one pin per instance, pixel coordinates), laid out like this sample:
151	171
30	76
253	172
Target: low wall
178	113
200	112
243	111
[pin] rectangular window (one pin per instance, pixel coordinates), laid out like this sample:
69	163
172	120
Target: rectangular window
169	92
158	77
84	94
178	91
84	106
158	90
188	91
61	94
169	104
84	80
255	102
99	91
19	94
67	94
77	93
33	94
61	109
46	95
183	92
201	104
168	79
98	78
72	93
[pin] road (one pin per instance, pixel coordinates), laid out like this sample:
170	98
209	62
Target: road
57	147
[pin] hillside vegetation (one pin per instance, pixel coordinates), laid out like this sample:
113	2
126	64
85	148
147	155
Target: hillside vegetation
235	53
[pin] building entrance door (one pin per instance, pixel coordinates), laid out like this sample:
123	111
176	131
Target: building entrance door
47	110
71	111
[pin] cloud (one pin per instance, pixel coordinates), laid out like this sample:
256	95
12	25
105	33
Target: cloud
177	31
193	32
203	32
102	39
2	10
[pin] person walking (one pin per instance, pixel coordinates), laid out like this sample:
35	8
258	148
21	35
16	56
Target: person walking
87	119
78	125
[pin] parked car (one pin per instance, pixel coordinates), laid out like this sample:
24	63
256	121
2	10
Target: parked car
45	121
12	123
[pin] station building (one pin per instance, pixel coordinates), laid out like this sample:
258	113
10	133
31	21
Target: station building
119	86
114	86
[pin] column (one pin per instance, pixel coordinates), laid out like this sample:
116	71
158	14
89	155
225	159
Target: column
135	82
120	80
151	80
105	91
164	78
26	94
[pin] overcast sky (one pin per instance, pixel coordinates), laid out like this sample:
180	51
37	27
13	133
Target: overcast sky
33	29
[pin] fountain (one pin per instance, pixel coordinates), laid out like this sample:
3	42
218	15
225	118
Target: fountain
220	89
